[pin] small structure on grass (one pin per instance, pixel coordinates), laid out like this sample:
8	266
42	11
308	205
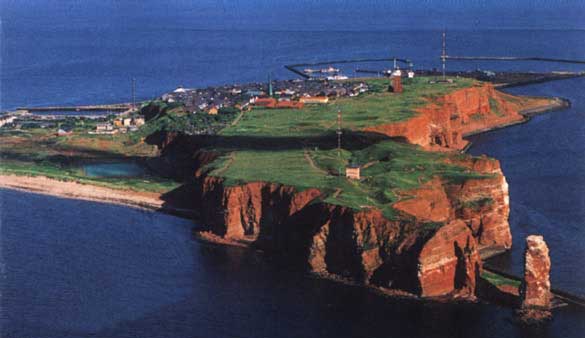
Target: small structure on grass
352	171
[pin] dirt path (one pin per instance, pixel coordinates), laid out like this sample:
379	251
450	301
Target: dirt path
234	122
312	163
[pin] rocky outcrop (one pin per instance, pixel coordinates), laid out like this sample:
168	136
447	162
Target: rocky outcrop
449	262
251	211
482	204
535	289
430	254
441	124
432	249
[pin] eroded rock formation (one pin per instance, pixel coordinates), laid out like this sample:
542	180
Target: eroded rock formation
433	249
535	289
441	124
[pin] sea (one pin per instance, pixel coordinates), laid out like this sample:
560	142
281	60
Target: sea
72	268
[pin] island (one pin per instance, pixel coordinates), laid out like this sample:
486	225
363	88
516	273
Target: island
365	181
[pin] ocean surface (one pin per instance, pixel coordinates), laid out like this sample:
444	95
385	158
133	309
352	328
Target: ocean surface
82	269
544	163
77	269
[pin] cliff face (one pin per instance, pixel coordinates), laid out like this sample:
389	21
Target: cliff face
433	247
442	123
411	254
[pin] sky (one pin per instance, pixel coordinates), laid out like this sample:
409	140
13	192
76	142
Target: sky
305	14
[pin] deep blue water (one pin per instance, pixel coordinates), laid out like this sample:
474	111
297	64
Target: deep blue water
73	268
119	169
83	269
544	163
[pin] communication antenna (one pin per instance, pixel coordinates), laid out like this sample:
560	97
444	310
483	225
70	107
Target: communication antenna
339	132
444	53
133	93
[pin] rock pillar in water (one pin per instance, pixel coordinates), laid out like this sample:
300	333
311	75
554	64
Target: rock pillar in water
535	290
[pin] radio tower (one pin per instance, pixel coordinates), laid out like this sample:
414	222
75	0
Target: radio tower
444	54
133	93
339	132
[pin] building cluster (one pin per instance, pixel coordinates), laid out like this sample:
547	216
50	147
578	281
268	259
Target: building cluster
7	119
274	94
119	125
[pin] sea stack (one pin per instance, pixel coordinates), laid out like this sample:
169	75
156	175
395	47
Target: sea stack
535	289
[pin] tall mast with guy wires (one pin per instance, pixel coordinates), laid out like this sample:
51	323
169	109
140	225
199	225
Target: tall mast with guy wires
133	93
444	53
339	132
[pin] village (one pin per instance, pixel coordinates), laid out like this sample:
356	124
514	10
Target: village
273	94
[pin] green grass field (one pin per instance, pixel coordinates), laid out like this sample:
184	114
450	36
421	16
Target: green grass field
499	280
38	152
286	146
298	147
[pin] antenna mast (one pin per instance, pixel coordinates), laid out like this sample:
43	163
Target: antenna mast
339	132
444	53
133	93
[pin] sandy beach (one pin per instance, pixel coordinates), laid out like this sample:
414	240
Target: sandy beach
69	189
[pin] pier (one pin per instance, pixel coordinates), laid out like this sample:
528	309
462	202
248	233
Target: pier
293	67
89	108
511	58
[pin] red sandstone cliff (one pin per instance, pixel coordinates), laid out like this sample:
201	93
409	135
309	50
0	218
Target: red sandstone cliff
410	254
413	254
442	123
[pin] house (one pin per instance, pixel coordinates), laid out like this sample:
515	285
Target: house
100	127
253	92
410	74
352	171
138	121
64	131
314	99
118	122
290	104
7	120
267	102
212	111
127	122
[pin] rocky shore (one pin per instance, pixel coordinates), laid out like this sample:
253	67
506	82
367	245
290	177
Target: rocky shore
433	248
405	255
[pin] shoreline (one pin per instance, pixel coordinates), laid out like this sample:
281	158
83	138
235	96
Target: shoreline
87	192
528	114
43	185
153	202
